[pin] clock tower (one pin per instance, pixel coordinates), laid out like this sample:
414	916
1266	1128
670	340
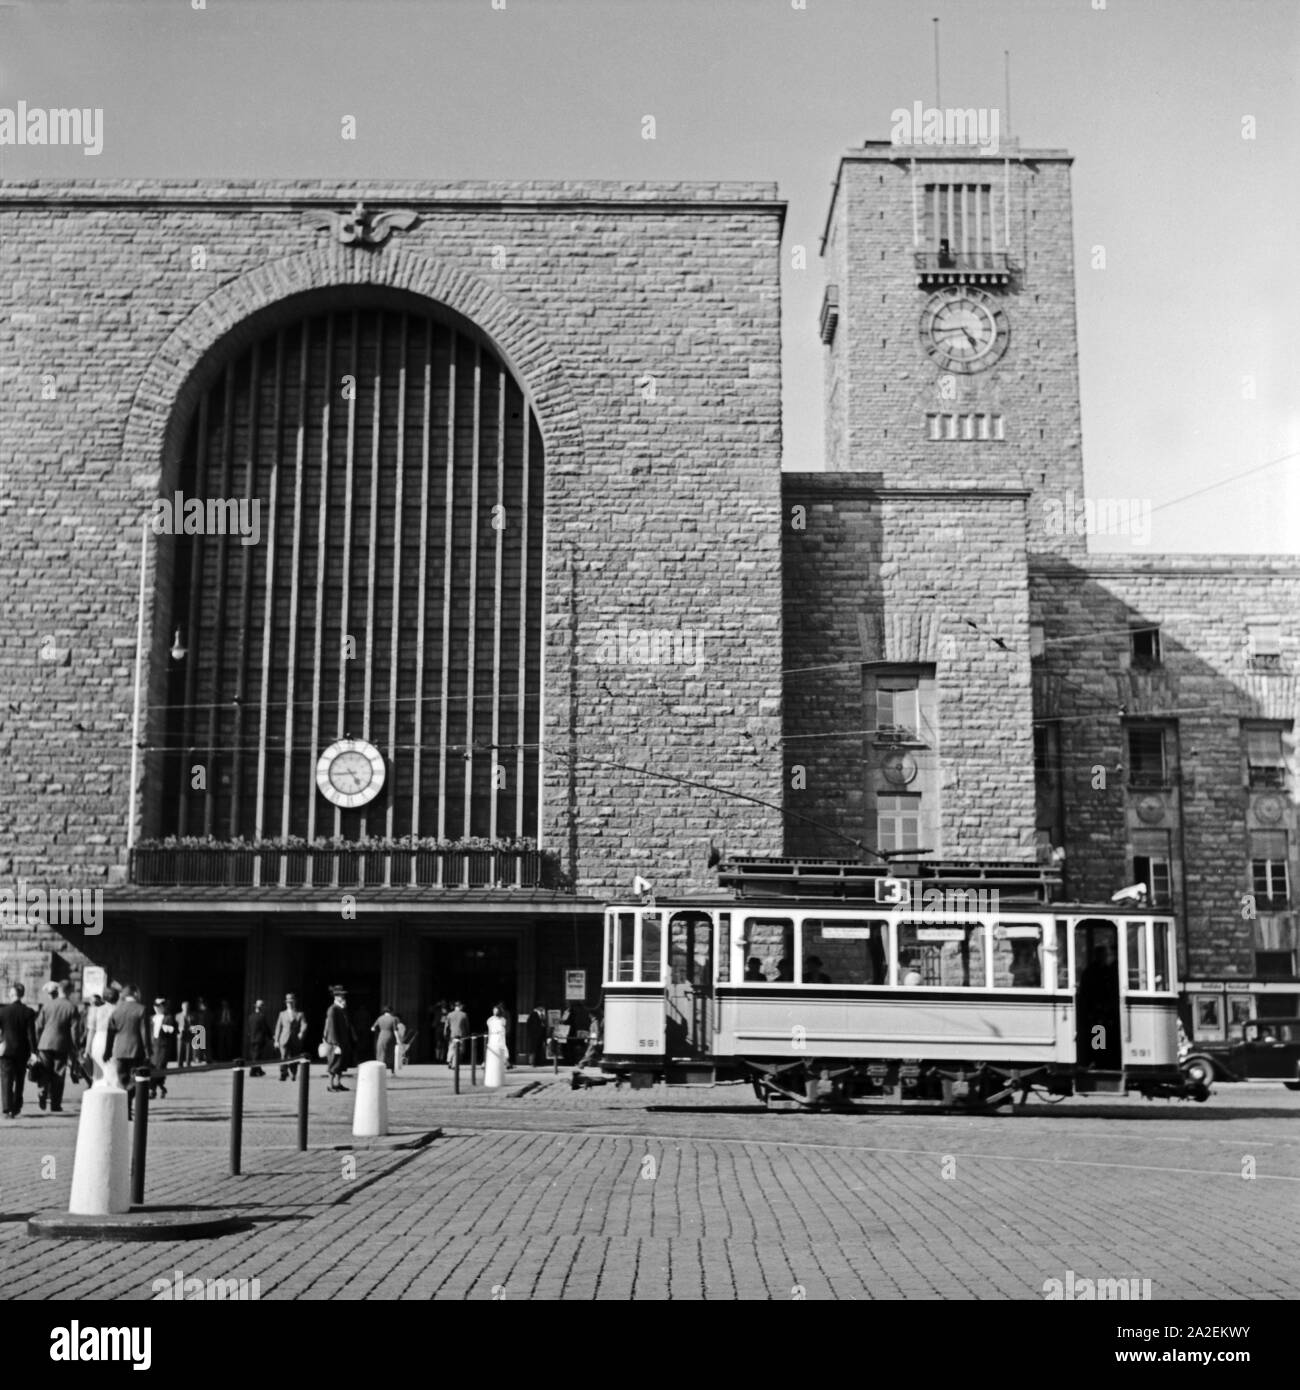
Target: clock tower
949	326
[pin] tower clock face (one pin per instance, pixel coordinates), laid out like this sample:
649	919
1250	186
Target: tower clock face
350	773
963	329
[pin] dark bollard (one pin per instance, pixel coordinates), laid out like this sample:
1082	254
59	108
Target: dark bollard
304	1095
473	1062
139	1140
455	1068
236	1115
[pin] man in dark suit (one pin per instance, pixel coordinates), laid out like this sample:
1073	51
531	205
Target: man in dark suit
57	1023
162	1035
257	1036
18	1033
128	1042
536	1037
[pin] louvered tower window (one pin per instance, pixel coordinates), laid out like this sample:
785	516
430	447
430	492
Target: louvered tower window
394	593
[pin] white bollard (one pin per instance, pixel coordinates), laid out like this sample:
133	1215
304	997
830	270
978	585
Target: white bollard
370	1114
494	1066
101	1170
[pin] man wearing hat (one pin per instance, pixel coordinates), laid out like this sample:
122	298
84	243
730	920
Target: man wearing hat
162	1033
338	1034
290	1030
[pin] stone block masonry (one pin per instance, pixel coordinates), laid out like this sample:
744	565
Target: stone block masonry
643	323
1203	691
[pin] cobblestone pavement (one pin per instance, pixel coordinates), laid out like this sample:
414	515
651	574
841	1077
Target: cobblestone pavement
684	1193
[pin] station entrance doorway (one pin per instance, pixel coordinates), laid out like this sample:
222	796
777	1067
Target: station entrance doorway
312	964
479	971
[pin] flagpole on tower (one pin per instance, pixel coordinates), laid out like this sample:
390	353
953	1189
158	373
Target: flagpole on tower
938	99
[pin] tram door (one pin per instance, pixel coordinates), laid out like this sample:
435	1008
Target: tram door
1097	1001
688	1013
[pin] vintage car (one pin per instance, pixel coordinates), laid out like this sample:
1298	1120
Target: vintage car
1268	1051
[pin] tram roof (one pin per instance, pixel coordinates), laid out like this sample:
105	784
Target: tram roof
788	902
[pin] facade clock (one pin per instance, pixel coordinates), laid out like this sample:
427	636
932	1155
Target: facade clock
963	329
350	773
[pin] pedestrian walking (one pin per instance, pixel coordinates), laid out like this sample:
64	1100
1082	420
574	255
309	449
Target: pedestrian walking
257	1037
338	1040
102	1074
227	1032
200	1032
535	1036
385	1028
290	1034
162	1035
595	1039
57	1024
497	1057
457	1032
17	1044
184	1036
509	1019
128	1042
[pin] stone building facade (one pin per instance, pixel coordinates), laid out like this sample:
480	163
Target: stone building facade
637	330
529	570
1132	720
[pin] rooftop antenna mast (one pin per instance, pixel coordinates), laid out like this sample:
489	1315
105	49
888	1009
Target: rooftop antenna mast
938	100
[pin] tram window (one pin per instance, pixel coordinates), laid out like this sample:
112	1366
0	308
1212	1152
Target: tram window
1017	955
1062	954
724	947
844	951
1160	955
768	945
949	954
847	951
623	943
651	942
1139	970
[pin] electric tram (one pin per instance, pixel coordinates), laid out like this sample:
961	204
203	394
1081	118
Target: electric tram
830	982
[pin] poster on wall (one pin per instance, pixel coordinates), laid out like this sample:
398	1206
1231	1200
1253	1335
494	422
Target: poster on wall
94	980
575	986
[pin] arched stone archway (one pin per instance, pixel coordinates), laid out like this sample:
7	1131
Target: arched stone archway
163	415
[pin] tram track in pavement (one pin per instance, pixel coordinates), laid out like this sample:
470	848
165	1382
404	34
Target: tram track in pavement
482	1124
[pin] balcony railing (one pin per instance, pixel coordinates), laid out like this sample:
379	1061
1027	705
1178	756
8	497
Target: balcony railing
254	867
1268	777
963	268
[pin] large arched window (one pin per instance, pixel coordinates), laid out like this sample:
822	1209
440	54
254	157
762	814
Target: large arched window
388	586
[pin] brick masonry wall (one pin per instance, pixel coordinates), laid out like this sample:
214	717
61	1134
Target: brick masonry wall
885	383
1202	605
662	498
894	575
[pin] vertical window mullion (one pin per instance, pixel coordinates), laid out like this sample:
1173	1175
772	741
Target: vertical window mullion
322	544
245	596
422	579
372	562
448	541
188	720
268	605
471	682
295	587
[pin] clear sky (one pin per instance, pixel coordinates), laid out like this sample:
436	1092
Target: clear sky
1189	341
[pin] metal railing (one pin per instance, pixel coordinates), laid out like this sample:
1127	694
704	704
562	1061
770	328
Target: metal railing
254	867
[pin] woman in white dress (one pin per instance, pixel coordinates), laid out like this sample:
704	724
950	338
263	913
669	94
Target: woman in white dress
97	1017
498	1052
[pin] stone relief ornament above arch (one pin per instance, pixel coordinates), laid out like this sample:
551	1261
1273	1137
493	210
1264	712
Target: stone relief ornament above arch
157	407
